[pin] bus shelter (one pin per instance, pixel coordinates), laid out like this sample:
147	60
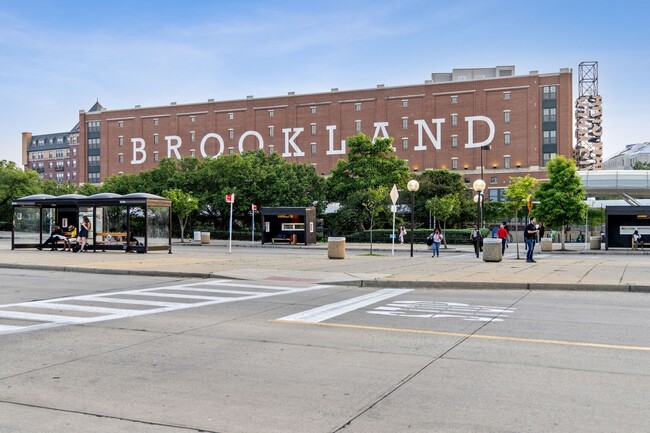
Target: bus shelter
622	221
137	222
291	225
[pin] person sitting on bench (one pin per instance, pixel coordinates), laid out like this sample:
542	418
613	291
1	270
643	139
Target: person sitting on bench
56	234
72	236
637	240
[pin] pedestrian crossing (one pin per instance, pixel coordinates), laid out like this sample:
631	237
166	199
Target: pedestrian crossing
99	307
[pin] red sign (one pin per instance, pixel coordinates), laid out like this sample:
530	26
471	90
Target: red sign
230	198
254	206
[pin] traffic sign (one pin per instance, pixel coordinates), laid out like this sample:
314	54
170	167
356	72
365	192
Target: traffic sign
394	194
254	207
230	198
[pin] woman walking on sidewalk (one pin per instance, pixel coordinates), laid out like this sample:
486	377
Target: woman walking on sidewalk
437	240
477	238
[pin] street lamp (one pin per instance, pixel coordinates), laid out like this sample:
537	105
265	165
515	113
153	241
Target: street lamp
484	147
412	186
479	187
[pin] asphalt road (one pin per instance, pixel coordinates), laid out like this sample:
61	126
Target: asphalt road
108	353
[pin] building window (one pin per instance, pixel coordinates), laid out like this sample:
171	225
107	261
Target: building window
454	141
231	116
192	119
313	129
271	149
192	152
454	120
405	144
405	103
120	141
313	148
497	194
155	139
454	99
155	121
549	137
547	156
506	138
454	163
192	136
271	131
550	115
549	92
506	116
155	157
313	110
231	150
120	158
405	123
506	96
120	124
357	106
231	133
271	113
506	161
357	126
493	179
467	180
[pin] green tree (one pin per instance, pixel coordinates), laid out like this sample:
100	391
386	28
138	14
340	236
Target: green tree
444	208
640	165
517	195
14	183
561	198
370	165
374	201
54	188
438	183
183	204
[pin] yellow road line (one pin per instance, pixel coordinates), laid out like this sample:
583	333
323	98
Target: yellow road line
483	337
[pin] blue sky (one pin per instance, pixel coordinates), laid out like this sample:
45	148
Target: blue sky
59	57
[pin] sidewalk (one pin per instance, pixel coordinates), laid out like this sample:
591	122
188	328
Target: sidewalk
456	268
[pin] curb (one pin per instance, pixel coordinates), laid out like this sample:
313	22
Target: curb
462	285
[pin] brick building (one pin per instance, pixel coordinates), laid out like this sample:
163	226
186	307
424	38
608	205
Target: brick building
441	123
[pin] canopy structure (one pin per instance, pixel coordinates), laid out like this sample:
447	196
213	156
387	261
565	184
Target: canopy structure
628	184
138	222
292	225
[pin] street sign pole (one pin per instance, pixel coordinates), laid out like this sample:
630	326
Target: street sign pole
230	198
253	207
393	196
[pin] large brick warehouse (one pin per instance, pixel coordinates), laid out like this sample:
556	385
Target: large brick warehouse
440	124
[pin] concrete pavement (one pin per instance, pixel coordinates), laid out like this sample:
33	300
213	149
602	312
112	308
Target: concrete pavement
457	267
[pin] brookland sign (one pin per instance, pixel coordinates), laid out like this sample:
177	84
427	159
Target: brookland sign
291	148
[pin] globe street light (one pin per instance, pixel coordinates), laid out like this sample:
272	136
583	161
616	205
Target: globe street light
413	186
479	187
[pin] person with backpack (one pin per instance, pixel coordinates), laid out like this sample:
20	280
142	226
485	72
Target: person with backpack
436	240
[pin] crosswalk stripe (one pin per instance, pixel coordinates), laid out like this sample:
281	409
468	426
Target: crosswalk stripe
128	297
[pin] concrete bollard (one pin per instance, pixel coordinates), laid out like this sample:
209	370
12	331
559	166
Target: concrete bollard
335	248
546	244
492	250
594	242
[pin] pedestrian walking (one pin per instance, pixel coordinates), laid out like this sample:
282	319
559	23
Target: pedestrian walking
436	236
84	229
477	239
402	234
502	234
530	235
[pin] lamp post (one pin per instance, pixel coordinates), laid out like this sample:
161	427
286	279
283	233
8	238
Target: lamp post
479	187
484	147
412	186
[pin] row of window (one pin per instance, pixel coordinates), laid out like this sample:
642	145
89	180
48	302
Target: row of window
58	153
506	163
60	177
59	164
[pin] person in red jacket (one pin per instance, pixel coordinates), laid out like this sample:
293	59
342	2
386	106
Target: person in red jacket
502	234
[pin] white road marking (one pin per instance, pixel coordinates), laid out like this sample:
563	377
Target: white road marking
147	299
329	311
444	310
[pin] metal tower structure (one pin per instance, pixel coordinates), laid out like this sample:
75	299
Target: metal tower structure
588	152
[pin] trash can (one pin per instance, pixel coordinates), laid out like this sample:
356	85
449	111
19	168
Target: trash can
492	250
594	242
546	244
197	236
335	248
205	238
